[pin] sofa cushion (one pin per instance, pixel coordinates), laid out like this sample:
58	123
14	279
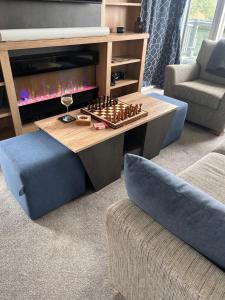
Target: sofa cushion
208	174
203	59
200	92
186	211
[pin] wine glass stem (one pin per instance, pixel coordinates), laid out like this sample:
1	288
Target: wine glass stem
67	108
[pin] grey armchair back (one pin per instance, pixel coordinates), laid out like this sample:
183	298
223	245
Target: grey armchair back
203	58
203	91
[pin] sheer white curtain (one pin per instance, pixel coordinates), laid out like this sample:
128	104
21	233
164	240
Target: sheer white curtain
204	19
218	21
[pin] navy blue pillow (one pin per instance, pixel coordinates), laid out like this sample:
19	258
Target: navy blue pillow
189	213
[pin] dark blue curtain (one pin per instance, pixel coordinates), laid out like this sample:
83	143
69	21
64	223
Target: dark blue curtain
162	19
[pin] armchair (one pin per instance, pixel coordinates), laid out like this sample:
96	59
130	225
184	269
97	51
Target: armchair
204	92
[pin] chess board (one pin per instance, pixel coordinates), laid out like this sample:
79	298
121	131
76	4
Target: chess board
115	113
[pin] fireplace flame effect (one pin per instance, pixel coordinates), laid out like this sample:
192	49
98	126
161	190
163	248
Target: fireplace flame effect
49	92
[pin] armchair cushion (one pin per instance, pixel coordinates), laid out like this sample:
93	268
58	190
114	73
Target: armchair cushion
189	213
200	92
175	74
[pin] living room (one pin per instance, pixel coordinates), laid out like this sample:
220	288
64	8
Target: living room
112	149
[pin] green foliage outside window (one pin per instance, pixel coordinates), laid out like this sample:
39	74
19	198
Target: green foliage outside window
202	9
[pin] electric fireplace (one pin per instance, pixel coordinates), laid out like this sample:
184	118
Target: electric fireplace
41	80
43	87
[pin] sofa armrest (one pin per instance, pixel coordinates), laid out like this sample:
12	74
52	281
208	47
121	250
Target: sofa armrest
175	74
148	262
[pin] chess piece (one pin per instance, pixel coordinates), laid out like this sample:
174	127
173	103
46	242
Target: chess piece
103	102
140	105
114	116
136	109
129	111
122	114
125	113
118	116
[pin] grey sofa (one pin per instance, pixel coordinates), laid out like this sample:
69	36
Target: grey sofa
204	92
147	262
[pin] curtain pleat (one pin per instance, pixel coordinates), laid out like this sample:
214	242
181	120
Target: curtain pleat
162	19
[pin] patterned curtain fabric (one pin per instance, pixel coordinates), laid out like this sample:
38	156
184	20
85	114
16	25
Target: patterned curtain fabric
162	19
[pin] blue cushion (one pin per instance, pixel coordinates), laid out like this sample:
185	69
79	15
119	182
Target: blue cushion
41	173
189	213
179	117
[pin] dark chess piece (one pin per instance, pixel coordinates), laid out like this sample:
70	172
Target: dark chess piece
140	105
99	104
118	116
126	113
122	114
103	102
136	109
114	117
108	101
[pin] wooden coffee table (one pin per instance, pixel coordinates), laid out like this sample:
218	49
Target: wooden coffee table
101	151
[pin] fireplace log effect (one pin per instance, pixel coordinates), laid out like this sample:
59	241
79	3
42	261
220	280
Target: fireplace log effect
41	80
42	87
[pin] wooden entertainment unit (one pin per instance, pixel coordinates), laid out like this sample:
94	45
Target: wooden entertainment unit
130	45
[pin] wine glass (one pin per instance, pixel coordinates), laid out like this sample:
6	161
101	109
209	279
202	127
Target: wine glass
67	100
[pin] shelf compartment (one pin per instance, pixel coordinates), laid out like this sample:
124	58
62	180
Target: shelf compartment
123	82
122	4
4	113
126	62
132	49
118	15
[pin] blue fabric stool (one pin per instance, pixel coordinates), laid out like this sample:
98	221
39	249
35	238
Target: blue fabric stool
41	173
177	124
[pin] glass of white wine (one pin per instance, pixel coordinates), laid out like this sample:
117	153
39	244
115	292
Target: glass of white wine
67	100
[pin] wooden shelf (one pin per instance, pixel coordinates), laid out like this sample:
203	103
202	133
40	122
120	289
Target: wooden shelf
125	62
122	4
4	112
113	37
123	82
128	44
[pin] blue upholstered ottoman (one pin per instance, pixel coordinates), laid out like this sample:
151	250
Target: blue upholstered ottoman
41	173
177	124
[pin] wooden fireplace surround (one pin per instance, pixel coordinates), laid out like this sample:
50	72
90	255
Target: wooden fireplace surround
132	45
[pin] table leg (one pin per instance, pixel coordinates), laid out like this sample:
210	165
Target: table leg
155	134
103	162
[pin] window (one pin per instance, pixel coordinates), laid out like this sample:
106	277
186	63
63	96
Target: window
204	19
197	28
